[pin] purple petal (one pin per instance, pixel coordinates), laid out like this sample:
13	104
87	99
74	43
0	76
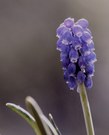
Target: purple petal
69	22
91	46
82	63
77	30
61	30
81	77
71	68
66	38
91	58
86	37
66	75
73	55
88	82
85	50
72	83
83	23
90	69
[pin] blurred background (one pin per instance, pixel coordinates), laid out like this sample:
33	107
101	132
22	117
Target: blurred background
29	63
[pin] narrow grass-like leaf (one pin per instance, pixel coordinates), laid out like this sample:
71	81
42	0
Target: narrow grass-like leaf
37	113
54	131
23	113
54	124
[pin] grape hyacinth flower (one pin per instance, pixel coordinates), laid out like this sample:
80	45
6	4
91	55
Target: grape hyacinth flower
77	55
76	46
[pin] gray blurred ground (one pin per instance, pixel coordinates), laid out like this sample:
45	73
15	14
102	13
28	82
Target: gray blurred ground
29	63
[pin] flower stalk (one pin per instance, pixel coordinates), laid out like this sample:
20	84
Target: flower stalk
86	110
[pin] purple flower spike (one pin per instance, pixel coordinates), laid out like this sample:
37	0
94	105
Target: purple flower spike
77	55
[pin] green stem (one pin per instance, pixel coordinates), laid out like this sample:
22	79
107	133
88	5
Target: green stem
36	130
86	110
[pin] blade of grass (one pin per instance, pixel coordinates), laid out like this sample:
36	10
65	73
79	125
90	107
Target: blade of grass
54	131
37	113
25	115
54	124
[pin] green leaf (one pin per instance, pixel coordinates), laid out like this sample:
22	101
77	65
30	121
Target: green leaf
52	128
37	120
54	124
26	115
37	113
23	113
